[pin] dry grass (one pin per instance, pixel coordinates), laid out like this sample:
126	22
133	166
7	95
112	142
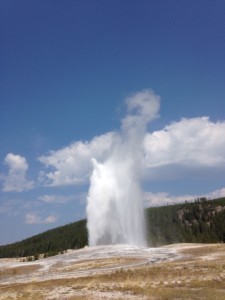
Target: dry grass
203	250
97	264
10	272
199	275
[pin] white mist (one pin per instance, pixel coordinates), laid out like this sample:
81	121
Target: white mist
115	213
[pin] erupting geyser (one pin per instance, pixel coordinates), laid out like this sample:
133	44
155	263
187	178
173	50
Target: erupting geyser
115	211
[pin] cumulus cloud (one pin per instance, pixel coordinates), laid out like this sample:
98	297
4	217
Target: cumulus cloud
163	198
217	194
188	145
15	180
72	164
35	218
181	149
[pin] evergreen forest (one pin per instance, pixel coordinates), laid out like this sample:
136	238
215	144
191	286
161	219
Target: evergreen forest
202	221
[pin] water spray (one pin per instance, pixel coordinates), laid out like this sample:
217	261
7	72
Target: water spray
115	212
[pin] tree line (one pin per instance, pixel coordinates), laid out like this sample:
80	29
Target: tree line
51	242
202	221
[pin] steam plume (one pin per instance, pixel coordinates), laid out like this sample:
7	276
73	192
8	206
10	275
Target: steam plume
115	202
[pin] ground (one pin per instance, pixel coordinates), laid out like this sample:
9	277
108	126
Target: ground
180	271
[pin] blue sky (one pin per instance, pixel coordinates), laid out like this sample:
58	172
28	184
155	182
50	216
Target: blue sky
66	68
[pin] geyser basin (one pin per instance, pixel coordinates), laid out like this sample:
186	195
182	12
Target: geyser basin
86	261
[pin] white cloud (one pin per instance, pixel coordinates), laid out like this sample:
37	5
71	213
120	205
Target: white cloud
188	145
60	199
163	198
71	165
16	180
50	219
217	194
35	218
142	108
181	149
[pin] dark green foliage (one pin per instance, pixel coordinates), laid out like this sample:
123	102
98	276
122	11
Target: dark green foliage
202	221
50	242
164	226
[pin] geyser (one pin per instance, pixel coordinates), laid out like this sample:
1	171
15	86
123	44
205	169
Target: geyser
115	213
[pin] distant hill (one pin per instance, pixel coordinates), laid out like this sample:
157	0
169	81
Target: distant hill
51	242
202	221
